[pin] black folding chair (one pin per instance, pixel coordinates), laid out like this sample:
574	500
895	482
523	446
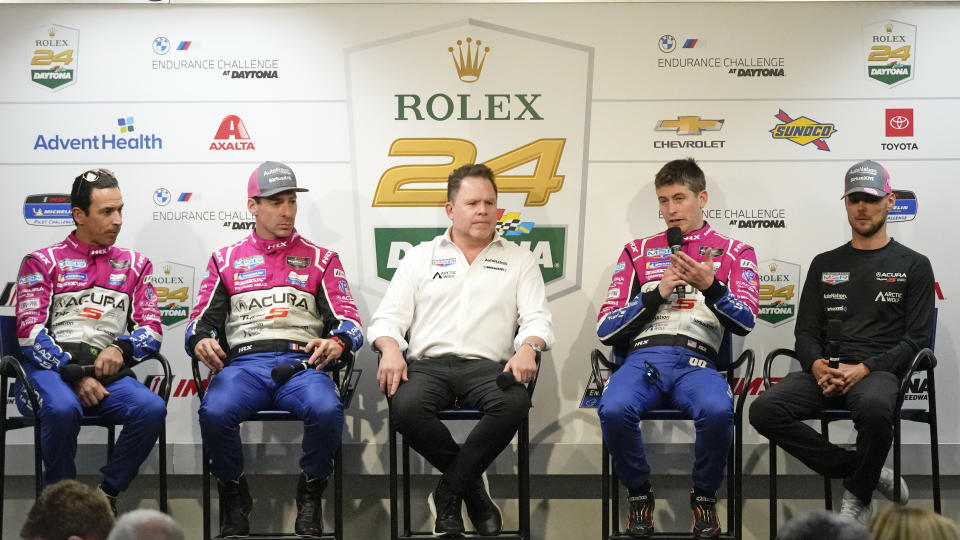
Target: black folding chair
345	377
11	368
924	360
522	532
610	486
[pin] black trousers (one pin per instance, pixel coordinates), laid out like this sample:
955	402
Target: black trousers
777	415
437	383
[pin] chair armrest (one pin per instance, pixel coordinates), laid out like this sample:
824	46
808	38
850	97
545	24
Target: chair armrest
533	382
747	359
924	360
596	360
10	367
197	379
167	374
768	364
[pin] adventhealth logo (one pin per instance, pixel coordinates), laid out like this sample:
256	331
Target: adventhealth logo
125	140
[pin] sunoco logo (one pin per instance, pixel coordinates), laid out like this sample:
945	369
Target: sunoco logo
54	56
472	80
546	244
779	291
891	51
174	285
803	131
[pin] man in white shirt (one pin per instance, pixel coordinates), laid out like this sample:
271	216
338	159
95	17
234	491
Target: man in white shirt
459	307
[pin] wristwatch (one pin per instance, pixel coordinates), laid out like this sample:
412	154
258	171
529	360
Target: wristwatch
533	346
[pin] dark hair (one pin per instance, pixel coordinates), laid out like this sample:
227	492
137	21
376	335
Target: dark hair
82	191
685	172
68	508
457	176
821	525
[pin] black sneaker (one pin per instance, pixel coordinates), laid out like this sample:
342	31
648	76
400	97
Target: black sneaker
445	506
112	499
483	512
706	524
235	506
640	521
309	510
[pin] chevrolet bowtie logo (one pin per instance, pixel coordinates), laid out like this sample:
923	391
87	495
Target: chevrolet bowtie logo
689	125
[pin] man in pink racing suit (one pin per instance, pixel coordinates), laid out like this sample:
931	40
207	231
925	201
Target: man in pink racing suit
667	313
85	302
273	298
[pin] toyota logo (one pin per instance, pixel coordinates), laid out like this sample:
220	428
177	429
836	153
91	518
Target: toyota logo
899	122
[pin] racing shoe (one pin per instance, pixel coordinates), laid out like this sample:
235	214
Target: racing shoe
309	509
852	507
706	524
112	499
886	486
640	521
236	503
445	506
483	512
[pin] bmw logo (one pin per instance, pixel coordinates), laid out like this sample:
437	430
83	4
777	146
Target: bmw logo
161	196
161	45
667	43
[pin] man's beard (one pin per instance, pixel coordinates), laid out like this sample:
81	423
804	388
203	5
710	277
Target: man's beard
874	228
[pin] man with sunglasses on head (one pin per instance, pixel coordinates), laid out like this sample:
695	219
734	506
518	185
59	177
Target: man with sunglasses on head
882	295
84	302
272	299
667	310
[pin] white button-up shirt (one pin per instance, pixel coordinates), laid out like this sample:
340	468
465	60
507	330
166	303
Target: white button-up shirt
449	307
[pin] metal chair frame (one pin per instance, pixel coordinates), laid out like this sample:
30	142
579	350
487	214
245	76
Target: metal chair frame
924	360
610	486
522	532
12	368
345	377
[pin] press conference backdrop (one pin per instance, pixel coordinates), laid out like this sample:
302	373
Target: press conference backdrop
574	106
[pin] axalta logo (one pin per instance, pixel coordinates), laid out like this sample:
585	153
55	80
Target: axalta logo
54	56
232	135
126	140
545	242
803	131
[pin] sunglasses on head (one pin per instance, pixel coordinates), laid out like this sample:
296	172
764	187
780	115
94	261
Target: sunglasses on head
88	176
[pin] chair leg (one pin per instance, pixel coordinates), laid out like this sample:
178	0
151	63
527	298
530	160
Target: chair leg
338	494
896	460
604	492
827	491
523	468
111	440
738	482
392	444
773	489
3	445
615	500
206	493
407	525
37	455
934	438
162	456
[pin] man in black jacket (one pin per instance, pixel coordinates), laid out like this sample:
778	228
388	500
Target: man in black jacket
882	294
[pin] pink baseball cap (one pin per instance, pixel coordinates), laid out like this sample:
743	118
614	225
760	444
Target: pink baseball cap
270	178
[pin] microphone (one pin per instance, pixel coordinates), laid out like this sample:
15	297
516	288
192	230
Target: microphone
506	379
72	373
282	374
834	333
675	241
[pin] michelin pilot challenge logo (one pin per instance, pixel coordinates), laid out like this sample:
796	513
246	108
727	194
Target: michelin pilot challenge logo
53	56
904	208
51	210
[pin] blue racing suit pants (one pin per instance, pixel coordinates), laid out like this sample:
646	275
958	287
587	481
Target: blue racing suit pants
245	387
130	404
665	377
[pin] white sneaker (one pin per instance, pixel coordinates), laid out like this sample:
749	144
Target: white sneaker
852	507
885	486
